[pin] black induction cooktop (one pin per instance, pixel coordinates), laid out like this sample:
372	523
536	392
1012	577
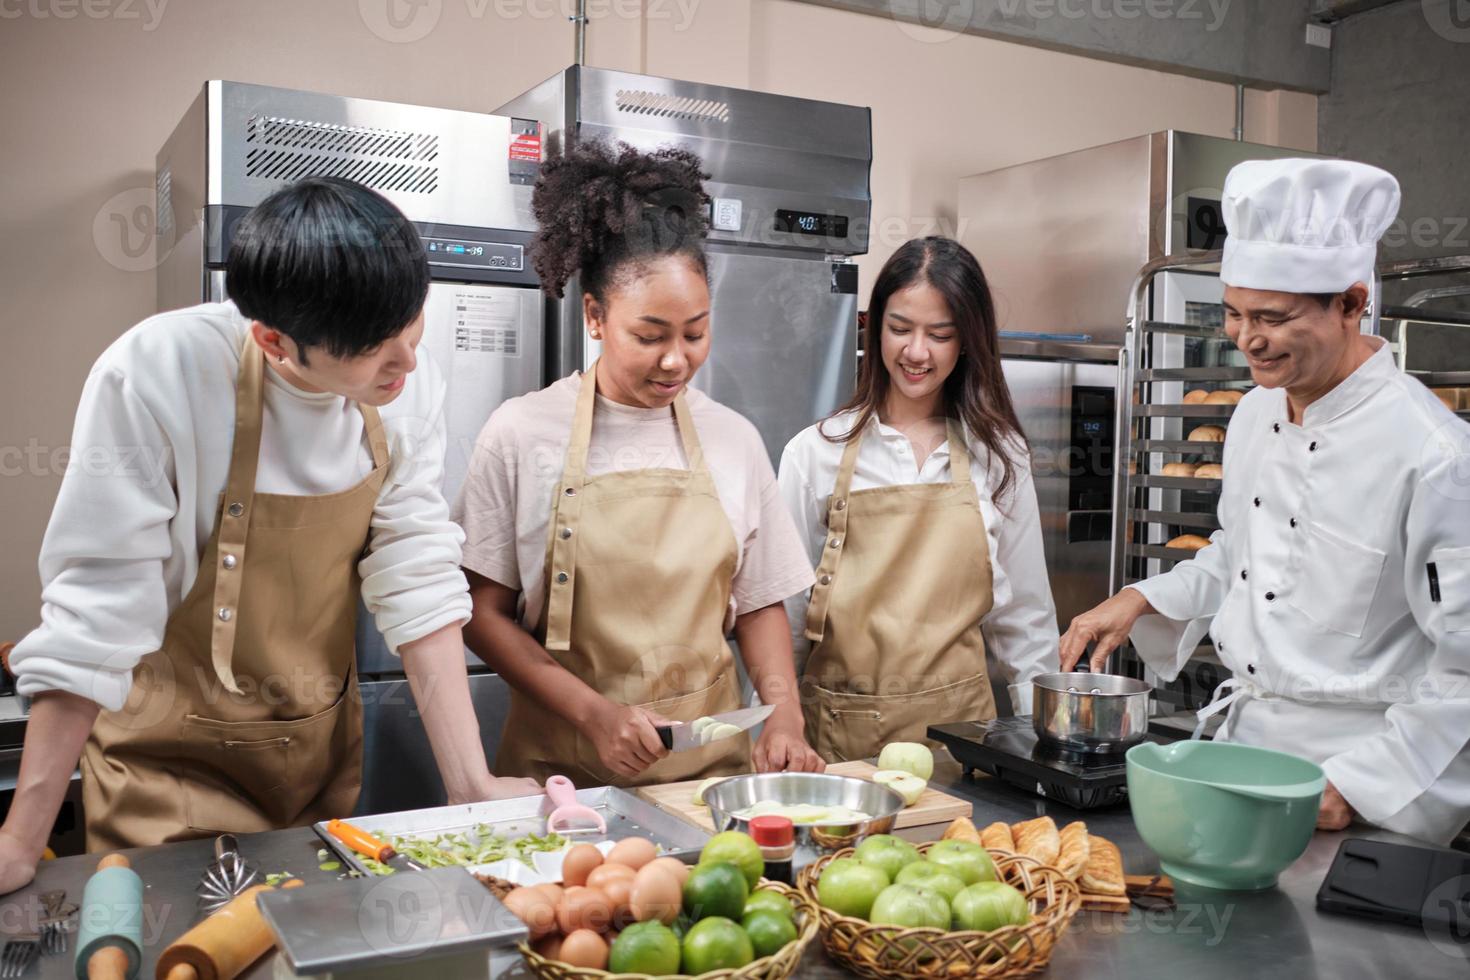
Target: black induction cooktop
1008	749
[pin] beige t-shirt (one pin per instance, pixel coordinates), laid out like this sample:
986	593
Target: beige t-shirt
505	503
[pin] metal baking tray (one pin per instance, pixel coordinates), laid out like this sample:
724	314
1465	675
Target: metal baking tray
442	916
625	813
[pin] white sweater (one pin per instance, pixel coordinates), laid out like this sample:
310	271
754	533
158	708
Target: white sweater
150	455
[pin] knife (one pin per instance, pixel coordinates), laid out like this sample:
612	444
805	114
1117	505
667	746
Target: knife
681	736
366	844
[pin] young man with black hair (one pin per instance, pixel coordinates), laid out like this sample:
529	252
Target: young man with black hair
198	616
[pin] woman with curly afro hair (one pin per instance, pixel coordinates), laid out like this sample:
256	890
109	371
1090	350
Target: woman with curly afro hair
619	522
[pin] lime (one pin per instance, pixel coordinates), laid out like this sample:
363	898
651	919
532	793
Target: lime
716	944
715	889
768	931
645	947
766	900
739	850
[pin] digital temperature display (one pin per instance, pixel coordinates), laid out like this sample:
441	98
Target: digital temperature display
483	255
811	223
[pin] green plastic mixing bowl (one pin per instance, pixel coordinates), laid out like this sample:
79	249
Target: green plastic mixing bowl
1222	815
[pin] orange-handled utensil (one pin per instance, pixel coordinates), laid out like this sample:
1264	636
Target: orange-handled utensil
366	844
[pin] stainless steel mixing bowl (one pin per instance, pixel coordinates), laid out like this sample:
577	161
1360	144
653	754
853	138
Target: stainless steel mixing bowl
736	793
1085	712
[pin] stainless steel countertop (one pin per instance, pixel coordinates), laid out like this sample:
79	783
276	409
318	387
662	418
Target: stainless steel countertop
1210	934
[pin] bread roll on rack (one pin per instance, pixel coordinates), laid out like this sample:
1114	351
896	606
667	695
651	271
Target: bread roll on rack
1207	433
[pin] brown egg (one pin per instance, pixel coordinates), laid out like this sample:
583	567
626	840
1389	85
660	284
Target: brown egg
584	948
549	946
619	891
584	908
635	852
533	908
579	862
602	875
550	890
674	866
656	895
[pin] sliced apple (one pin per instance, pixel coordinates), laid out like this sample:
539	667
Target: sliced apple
699	791
905	784
911	757
717	731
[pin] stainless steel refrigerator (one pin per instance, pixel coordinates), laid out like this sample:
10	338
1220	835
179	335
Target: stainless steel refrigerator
792	202
464	179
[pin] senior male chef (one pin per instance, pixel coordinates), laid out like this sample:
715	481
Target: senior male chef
208	608
1337	591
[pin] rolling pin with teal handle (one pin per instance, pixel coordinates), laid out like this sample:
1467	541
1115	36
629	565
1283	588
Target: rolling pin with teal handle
110	937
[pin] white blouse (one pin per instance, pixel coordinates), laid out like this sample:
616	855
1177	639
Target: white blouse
1021	627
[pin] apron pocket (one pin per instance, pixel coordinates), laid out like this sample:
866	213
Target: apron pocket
1337	581
248	776
726	757
849	727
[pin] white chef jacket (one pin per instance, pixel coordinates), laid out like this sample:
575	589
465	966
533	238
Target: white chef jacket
150	456
1319	595
1021	628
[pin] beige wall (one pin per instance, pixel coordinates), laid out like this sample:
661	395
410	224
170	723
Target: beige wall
89	91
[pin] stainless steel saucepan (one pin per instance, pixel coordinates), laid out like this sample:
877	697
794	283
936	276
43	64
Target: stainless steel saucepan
1084	712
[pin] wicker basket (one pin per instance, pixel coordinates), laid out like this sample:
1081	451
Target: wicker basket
778	966
886	952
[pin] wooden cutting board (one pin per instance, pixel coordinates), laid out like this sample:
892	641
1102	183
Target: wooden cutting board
933	807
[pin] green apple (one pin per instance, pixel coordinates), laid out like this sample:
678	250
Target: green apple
849	887
887	853
911	908
935	877
914	757
990	905
970	862
905	784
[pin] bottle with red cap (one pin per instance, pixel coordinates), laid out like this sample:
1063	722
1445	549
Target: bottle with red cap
776	837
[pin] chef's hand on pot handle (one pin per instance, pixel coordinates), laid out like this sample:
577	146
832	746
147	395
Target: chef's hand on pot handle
1105	625
625	738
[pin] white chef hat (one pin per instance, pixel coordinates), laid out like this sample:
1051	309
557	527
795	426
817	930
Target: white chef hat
1305	226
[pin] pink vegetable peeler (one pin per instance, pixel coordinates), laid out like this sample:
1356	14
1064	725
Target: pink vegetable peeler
563	797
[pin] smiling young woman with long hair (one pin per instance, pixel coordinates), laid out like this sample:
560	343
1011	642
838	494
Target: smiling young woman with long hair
620	521
917	502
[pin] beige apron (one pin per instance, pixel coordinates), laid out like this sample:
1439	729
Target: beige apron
902	585
639	566
249	717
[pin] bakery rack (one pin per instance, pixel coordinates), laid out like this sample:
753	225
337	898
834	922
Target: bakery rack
1161	361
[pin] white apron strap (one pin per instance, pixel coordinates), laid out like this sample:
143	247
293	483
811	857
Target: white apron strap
1220	701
